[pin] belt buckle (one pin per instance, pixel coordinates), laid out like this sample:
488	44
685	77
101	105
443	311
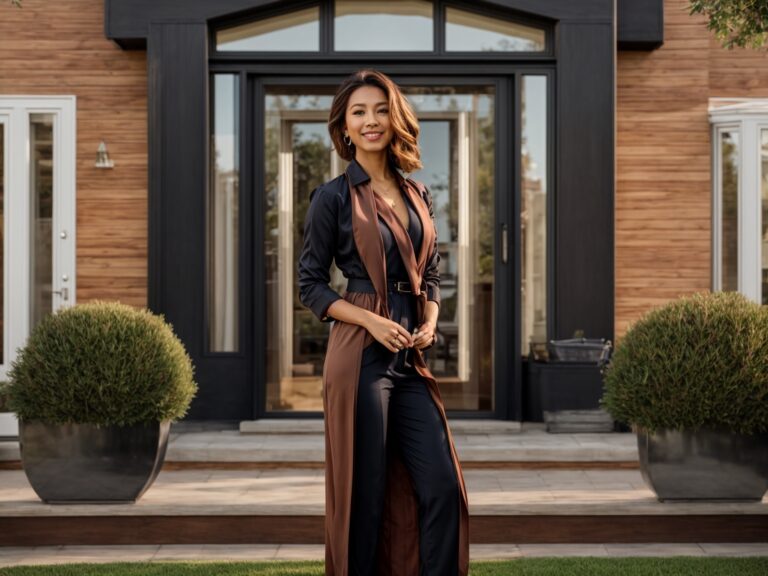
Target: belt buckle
399	289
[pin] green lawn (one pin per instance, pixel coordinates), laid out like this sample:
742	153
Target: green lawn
586	566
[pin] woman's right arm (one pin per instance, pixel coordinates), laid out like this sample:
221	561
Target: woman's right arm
320	236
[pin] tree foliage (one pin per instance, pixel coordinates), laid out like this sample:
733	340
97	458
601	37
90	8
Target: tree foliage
742	23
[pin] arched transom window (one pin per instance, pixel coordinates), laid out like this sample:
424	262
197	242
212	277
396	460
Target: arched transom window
365	26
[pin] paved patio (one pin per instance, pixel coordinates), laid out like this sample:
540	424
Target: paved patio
275	468
275	492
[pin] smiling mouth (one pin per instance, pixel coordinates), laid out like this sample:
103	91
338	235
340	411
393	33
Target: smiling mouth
372	135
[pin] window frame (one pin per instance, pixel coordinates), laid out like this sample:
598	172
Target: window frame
327	50
748	117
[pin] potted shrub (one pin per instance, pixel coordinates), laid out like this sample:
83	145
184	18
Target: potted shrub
691	378
9	426
95	388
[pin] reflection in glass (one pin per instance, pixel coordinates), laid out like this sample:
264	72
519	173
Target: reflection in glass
729	160
764	196
298	157
224	218
533	210
297	31
379	25
470	32
41	214
2	240
457	142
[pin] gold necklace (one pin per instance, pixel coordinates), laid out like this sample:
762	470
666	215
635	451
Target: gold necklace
389	201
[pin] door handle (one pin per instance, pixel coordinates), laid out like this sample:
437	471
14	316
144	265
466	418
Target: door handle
64	292
504	244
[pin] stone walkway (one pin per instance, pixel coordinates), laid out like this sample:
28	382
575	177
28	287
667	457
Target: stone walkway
301	492
260	552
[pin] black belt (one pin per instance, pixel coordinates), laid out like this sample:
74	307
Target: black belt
365	285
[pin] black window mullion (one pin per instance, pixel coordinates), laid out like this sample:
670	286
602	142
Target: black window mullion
326	27
438	18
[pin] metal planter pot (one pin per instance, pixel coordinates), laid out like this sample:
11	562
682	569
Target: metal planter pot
86	464
704	465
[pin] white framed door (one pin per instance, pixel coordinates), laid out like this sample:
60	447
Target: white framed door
740	196
37	203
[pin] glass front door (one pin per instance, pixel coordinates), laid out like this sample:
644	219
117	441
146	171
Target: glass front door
458	142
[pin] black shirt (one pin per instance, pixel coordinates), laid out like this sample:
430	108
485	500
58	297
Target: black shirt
396	269
328	236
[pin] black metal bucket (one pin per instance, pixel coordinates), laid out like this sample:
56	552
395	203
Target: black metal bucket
582	350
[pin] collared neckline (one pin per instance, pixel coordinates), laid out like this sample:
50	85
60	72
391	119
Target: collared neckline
358	175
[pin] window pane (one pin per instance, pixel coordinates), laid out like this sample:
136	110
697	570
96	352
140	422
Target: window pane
457	140
41	214
293	32
298	157
470	32
223	217
729	159
533	210
764	195
383	26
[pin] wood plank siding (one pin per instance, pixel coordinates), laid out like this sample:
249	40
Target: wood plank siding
59	48
663	159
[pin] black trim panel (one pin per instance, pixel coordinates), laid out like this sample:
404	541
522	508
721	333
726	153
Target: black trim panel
640	22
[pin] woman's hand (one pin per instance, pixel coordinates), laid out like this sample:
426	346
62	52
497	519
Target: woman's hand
389	333
424	336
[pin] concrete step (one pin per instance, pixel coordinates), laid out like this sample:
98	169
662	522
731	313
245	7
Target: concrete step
286	506
480	443
529	447
315	426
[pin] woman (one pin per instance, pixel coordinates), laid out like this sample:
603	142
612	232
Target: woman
395	496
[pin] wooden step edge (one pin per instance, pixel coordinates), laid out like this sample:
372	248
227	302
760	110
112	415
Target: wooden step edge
465	464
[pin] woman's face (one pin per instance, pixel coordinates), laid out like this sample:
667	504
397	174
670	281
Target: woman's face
367	120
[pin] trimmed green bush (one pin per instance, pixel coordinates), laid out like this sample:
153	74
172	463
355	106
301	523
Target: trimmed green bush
699	361
102	363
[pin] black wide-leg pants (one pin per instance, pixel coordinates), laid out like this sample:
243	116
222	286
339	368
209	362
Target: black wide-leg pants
394	406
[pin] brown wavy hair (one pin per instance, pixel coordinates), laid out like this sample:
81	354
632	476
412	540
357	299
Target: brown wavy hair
403	150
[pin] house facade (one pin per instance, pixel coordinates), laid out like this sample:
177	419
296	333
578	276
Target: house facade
588	161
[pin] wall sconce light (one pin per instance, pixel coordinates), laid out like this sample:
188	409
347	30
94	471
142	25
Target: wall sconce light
102	157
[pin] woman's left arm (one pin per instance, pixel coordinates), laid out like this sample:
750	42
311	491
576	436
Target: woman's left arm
432	279
432	269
